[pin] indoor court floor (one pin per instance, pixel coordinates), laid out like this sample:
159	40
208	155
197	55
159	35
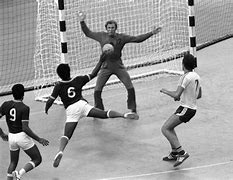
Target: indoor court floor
118	149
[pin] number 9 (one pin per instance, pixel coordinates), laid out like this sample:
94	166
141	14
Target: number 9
13	114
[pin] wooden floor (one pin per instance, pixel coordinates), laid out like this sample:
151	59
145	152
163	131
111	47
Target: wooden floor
132	150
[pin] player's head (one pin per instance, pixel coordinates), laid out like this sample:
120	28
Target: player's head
111	27
63	71
18	91
189	62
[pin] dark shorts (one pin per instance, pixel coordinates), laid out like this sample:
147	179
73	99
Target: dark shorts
185	114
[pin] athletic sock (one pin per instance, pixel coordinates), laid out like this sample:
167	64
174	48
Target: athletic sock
22	172
63	142
179	150
174	153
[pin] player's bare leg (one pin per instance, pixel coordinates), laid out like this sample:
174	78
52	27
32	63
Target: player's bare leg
14	158
168	130
68	132
36	159
98	113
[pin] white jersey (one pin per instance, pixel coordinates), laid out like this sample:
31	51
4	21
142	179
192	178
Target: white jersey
191	84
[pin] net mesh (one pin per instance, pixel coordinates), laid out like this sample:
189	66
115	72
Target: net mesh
30	34
134	17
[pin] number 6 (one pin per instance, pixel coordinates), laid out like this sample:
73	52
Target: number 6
71	92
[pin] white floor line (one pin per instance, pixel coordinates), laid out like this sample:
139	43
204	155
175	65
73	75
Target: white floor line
166	172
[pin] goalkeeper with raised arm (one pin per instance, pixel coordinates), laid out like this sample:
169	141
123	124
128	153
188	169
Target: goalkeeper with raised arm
113	63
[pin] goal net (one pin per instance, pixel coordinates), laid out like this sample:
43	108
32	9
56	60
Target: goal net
30	48
134	17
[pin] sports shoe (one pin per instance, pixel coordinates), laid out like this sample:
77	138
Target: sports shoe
16	175
181	159
131	115
57	159
170	157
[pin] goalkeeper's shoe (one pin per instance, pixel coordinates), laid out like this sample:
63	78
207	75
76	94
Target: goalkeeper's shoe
131	115
170	157
180	159
57	159
16	175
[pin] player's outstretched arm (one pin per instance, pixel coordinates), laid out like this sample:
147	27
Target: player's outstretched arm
30	133
143	37
174	94
85	29
49	103
3	135
93	35
98	66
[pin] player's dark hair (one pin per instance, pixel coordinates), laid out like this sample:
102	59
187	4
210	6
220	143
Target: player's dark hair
189	62
63	71
18	91
110	22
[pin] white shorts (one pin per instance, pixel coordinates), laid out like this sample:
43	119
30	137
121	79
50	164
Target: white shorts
20	140
77	110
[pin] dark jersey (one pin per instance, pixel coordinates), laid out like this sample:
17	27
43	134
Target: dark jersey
15	112
118	41
70	91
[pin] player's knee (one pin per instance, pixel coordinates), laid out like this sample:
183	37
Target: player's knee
164	129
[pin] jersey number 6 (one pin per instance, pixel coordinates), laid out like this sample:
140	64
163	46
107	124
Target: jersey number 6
71	92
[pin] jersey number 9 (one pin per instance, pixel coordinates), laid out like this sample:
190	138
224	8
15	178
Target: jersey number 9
13	114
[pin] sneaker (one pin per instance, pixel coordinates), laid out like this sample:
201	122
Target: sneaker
131	115
181	159
57	159
16	175
170	157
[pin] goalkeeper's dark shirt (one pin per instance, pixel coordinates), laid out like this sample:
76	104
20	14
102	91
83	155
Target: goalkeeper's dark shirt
70	91
15	112
119	40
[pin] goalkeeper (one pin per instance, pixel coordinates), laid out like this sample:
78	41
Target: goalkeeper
113	63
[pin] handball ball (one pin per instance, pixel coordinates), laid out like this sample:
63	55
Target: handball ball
108	48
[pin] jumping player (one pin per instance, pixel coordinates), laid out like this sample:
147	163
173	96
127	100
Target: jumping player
20	135
113	63
188	91
70	92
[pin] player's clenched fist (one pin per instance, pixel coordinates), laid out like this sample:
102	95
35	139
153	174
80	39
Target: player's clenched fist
156	30
82	16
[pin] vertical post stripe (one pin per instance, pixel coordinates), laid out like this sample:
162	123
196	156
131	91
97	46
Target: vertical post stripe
191	2
192	41
192	35
61	5
191	21
62	24
64	47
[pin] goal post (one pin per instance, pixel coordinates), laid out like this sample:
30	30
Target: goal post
31	37
159	54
